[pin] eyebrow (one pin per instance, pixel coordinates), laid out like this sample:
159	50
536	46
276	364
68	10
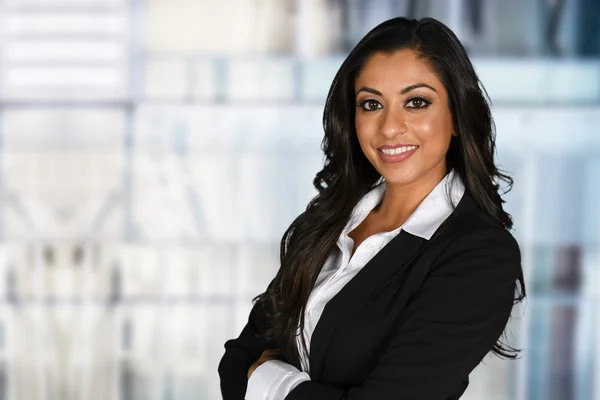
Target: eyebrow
403	91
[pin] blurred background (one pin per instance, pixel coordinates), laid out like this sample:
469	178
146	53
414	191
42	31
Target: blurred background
152	153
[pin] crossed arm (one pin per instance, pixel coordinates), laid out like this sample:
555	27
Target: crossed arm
460	312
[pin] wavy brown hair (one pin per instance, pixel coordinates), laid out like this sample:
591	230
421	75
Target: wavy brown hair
347	175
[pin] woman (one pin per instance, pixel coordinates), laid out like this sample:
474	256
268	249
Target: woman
401	274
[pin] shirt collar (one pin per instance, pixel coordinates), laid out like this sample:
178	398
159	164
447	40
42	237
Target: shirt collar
429	215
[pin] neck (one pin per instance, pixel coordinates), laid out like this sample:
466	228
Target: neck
400	201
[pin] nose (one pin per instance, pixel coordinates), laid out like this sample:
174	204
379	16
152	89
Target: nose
393	123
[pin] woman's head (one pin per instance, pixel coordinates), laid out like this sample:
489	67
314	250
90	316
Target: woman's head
406	82
454	129
402	119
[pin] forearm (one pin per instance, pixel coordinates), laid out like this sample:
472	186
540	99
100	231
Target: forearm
273	380
240	354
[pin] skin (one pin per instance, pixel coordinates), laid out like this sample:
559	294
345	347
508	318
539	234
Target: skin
271	354
399	100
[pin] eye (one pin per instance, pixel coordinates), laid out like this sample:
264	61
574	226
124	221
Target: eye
417	102
370	105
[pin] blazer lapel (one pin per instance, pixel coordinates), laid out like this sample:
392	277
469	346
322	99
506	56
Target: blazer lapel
392	258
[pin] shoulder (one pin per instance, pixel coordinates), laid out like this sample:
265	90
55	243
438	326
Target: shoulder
475	240
483	239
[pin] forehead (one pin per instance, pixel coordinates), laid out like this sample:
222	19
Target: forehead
400	68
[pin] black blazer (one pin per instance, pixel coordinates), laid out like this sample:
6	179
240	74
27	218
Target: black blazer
412	324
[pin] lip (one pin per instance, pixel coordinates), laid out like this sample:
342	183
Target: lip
397	157
395	146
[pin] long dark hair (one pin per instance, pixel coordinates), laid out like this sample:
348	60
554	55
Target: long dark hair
347	175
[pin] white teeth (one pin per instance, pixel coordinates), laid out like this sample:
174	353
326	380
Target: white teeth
399	150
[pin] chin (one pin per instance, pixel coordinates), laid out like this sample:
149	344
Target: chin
399	179
407	175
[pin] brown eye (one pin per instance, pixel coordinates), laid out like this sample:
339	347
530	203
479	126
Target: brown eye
370	105
417	102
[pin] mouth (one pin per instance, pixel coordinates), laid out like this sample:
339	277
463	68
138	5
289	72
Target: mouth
393	155
392	151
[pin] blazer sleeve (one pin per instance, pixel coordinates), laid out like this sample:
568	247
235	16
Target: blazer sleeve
240	354
454	321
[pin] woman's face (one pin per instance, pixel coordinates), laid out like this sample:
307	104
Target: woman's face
403	122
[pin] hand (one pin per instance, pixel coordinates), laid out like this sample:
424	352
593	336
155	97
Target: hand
270	354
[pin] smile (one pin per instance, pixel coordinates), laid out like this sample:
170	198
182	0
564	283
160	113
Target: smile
398	150
398	154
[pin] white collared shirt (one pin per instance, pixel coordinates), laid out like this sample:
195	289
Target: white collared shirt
274	379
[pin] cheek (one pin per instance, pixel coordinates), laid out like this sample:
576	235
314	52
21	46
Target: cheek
366	129
363	124
434	131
